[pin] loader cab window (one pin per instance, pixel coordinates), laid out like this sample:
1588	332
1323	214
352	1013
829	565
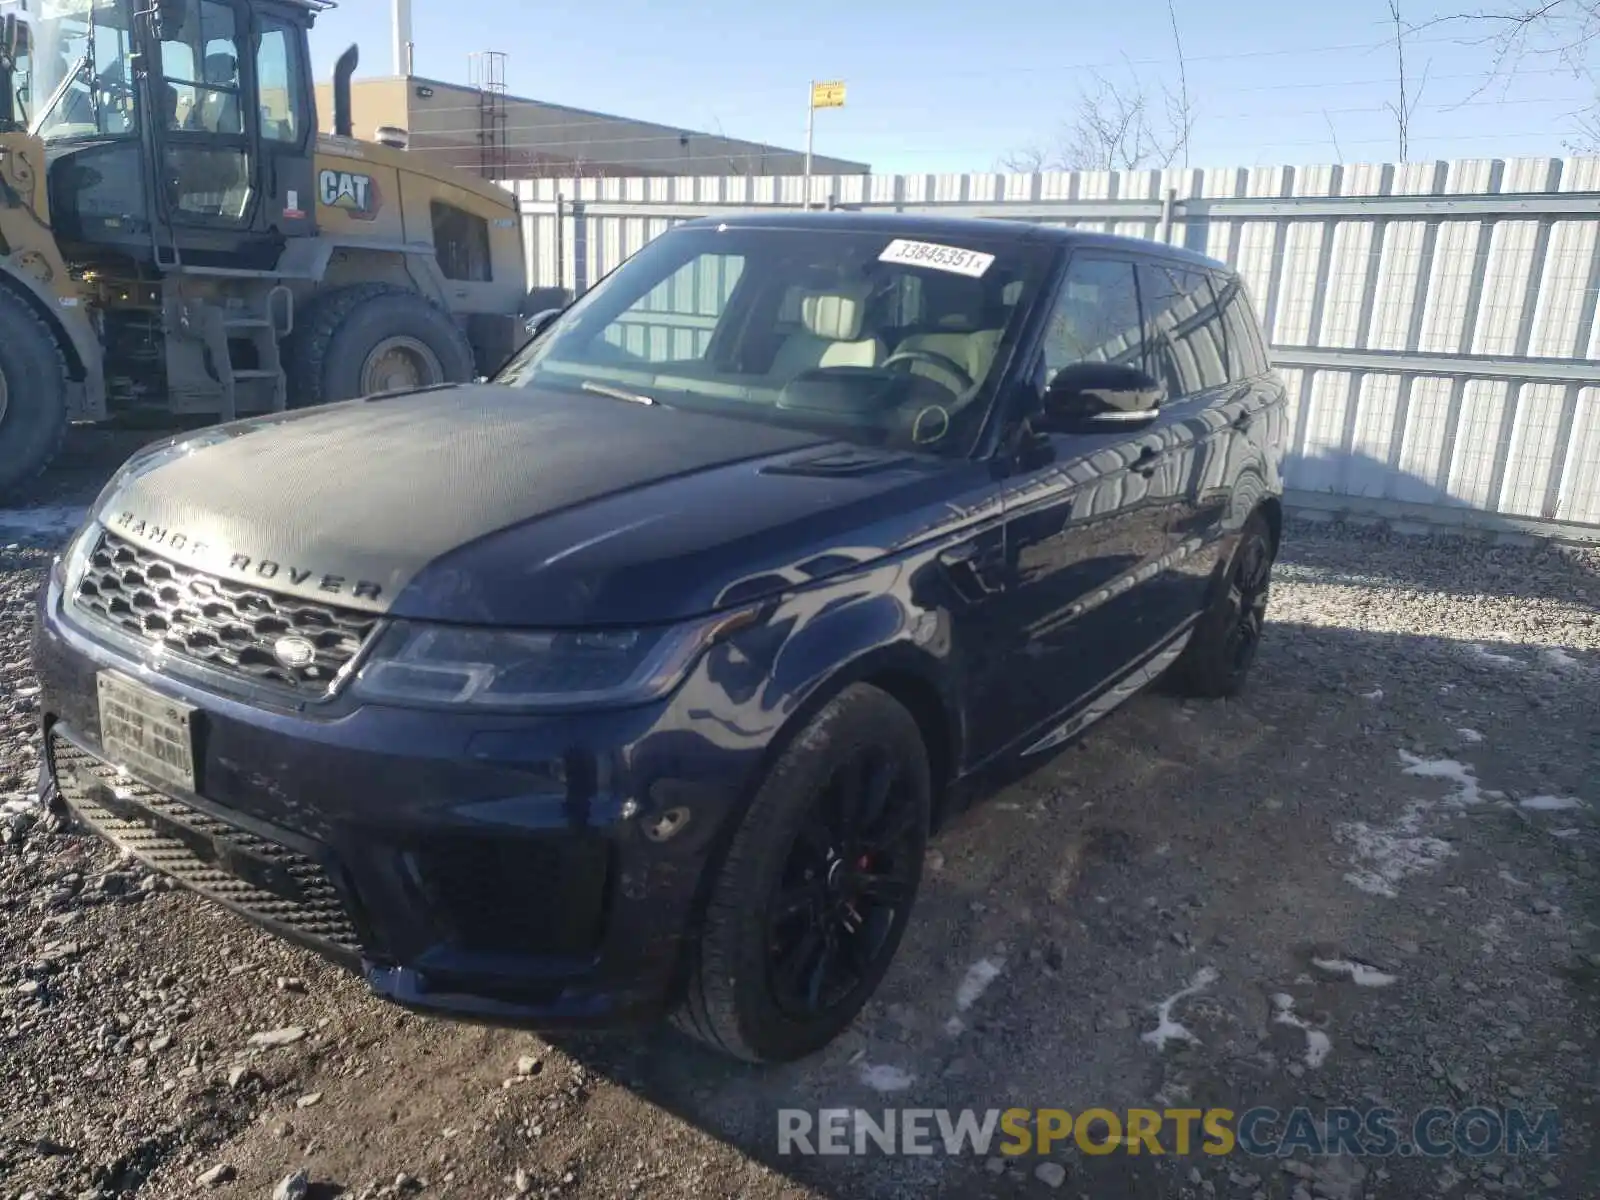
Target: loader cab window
202	90
82	82
281	78
20	99
200	67
461	242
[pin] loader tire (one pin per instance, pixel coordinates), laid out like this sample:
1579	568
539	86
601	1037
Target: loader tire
374	337
33	394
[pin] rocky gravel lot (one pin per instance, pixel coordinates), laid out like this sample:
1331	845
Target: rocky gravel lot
1372	880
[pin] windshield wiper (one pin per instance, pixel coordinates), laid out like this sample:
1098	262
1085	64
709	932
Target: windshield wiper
603	389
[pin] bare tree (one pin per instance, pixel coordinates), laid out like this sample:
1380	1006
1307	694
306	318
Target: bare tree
1118	127
1404	107
1026	160
1518	32
1115	127
1186	114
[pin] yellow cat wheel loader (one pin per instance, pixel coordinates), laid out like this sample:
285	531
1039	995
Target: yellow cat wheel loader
176	236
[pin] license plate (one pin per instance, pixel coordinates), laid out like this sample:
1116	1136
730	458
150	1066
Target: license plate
143	731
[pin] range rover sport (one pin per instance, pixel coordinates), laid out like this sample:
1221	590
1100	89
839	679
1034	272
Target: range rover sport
634	681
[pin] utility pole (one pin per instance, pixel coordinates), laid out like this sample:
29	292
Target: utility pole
822	95
401	28
811	126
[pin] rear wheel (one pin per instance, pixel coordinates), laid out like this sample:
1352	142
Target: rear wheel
373	338
33	393
813	898
1219	655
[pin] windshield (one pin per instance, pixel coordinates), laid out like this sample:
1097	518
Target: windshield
873	337
98	100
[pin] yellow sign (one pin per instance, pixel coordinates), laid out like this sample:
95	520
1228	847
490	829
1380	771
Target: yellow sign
828	95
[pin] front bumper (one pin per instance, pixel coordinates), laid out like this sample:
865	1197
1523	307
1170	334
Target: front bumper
493	867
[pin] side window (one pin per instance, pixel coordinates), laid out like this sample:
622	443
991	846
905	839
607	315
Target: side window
1247	356
200	63
1183	329
461	242
674	321
280	75
1096	316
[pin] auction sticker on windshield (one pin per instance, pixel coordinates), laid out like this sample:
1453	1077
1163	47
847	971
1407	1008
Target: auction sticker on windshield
939	258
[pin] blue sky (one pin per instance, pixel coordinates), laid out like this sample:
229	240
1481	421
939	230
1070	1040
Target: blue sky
937	85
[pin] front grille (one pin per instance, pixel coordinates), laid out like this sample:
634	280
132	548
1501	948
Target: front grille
263	880
216	621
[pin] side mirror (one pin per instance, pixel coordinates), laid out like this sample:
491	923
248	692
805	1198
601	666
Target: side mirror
1100	397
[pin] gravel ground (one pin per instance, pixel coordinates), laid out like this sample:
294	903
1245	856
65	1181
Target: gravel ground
1409	784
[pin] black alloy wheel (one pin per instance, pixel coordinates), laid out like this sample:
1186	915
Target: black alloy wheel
1223	647
811	899
849	874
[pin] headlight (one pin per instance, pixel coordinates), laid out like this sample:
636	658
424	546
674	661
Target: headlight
441	666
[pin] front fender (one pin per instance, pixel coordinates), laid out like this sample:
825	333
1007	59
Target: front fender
879	637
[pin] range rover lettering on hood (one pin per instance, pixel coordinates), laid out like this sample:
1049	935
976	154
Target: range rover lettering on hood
181	545
352	503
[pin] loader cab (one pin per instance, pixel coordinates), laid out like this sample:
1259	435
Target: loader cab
177	130
16	58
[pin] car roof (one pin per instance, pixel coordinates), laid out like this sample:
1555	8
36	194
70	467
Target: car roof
922	226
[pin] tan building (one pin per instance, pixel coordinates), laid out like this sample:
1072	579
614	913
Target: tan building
509	137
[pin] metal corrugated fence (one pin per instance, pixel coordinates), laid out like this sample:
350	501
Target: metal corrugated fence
1436	322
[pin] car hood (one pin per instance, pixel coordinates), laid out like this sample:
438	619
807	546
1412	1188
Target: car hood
492	505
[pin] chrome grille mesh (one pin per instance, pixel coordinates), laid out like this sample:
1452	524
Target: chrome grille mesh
224	624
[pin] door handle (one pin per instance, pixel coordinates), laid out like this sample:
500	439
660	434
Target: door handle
1145	464
1243	421
961	555
974	571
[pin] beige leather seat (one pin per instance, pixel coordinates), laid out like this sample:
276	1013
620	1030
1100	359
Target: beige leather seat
830	334
968	334
972	351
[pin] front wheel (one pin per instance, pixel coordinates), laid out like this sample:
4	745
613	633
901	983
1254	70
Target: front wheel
1228	634
372	338
813	897
33	394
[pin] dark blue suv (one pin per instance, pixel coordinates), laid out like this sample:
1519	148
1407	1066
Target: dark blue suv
633	681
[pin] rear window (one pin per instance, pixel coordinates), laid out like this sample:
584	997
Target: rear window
1184	335
1247	356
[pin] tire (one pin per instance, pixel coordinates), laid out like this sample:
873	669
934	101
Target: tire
734	1001
33	394
1217	660
329	355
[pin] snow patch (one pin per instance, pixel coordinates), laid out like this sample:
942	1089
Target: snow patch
1460	774
49	521
1318	1044
1471	736
883	1078
1168	1030
1551	803
1564	834
1559	659
955	1027
979	976
1374	694
1359	973
1384	856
